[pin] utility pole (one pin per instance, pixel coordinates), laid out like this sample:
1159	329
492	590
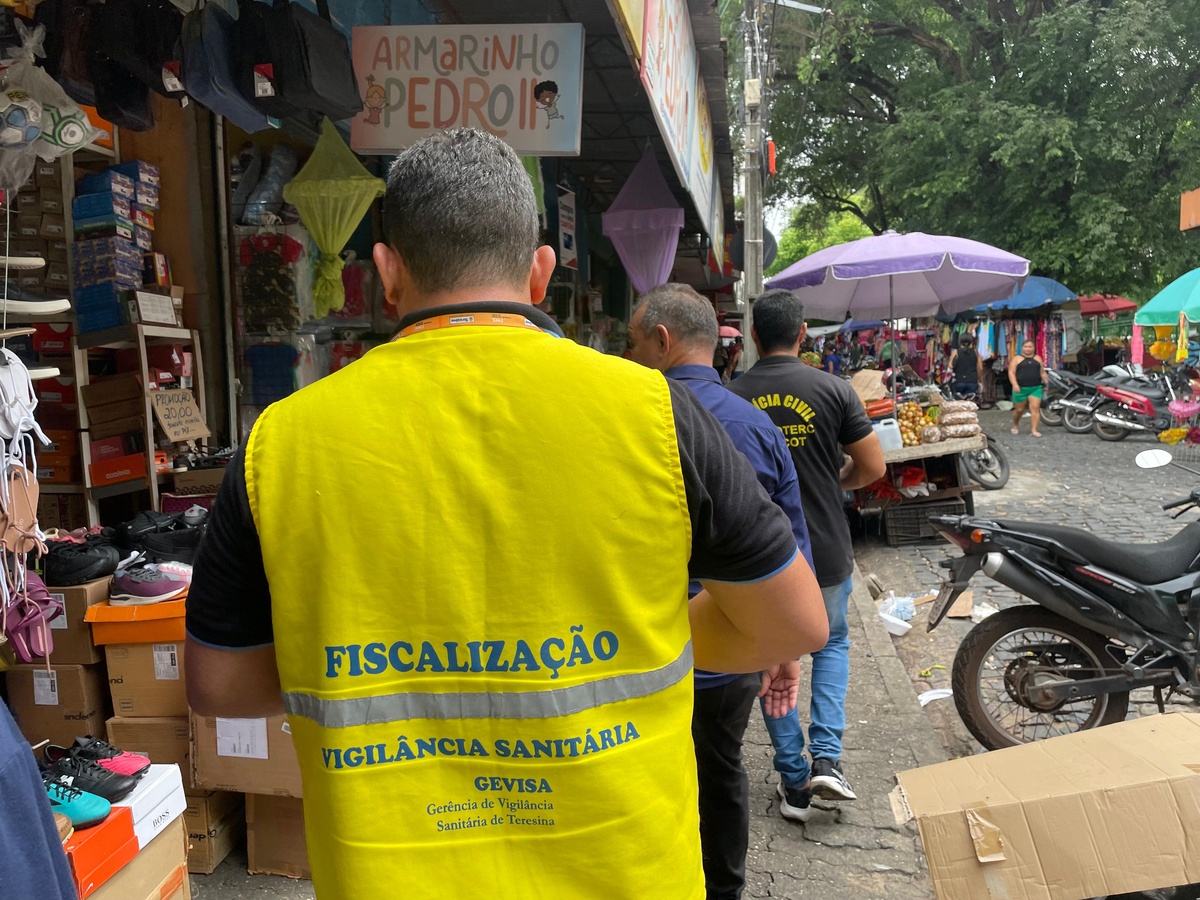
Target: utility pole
752	211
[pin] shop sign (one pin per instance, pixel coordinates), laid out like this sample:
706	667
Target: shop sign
631	16
567	253
671	74
179	415
523	83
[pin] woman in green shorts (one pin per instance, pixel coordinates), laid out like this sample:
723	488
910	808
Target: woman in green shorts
1027	374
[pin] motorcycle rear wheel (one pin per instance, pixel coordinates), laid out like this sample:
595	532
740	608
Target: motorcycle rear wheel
987	467
1076	421
1043	646
1052	412
1110	432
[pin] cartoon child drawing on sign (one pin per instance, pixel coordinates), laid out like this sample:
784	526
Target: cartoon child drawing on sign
546	94
375	100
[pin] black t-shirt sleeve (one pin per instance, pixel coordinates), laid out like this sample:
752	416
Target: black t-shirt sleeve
856	424
738	533
229	602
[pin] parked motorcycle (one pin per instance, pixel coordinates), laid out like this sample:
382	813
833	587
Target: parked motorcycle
1107	618
1083	398
1057	387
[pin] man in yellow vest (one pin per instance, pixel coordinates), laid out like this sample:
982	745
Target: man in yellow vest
461	565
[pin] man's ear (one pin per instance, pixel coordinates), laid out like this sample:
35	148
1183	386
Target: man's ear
803	332
392	273
541	271
662	337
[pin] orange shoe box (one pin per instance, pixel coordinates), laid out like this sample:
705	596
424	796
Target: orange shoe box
157	622
97	854
114	471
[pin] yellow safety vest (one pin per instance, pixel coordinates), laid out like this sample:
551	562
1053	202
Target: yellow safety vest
477	542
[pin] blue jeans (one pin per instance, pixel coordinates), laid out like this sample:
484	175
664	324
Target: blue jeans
827	708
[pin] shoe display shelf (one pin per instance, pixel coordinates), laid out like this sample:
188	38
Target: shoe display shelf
138	338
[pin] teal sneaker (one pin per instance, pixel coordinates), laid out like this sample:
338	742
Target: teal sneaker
82	808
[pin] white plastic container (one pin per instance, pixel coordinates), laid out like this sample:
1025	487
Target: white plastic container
889	434
897	627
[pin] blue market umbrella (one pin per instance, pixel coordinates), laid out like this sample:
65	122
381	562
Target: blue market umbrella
1036	292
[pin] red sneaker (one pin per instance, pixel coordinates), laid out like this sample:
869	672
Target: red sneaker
115	760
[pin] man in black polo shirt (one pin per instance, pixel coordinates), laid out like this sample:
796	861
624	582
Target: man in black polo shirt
823	422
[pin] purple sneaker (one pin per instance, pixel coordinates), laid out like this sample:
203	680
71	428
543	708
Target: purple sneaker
143	586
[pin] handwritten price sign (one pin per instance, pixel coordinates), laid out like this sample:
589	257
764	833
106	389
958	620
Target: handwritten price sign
179	415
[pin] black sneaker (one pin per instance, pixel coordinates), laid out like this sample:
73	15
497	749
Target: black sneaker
132	534
794	803
174	546
68	564
85	775
828	782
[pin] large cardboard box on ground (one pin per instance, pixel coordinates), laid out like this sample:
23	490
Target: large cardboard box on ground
147	679
1100	812
216	822
164	739
252	756
60	704
158	872
72	635
275	843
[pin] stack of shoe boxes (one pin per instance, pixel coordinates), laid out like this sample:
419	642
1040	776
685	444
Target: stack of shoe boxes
70	698
257	757
116	412
114	217
38	228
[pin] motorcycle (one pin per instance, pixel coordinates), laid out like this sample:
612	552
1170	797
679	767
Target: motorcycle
1107	618
1057	387
1126	408
1083	398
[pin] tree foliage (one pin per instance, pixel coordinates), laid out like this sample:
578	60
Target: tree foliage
811	229
1063	130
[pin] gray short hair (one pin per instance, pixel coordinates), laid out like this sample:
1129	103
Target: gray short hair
460	211
688	317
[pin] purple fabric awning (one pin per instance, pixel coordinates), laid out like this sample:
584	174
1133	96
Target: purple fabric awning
643	224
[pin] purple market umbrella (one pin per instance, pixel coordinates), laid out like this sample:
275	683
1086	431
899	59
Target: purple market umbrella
902	274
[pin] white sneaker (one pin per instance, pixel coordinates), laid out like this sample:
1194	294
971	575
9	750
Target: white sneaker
794	803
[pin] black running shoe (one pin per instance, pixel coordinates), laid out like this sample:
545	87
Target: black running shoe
794	803
85	775
173	546
828	782
131	534
68	564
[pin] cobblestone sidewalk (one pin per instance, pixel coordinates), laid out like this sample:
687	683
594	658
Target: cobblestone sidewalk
849	849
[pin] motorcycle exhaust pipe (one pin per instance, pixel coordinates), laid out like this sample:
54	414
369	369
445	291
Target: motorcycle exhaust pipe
1000	568
1077	404
1106	419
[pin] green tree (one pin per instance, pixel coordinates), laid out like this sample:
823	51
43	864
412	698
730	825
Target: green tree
1063	130
810	229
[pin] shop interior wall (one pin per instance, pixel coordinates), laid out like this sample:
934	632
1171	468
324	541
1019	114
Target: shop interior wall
181	146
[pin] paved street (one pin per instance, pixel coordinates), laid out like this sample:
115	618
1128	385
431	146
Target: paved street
1063	478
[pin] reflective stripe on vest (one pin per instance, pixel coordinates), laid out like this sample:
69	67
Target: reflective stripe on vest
564	701
477	543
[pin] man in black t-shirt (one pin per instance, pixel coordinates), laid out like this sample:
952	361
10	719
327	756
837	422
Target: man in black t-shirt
823	421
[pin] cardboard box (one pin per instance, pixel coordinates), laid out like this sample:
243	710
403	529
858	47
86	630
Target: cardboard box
50	200
115	471
157	801
112	412
216	823
57	705
72	636
254	756
275	842
1099	812
147	679
63	440
52	226
157	622
52	338
199	481
68	474
108	448
49	513
58	391
48	175
113	390
159	871
163	739
97	854
29	224
132	425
